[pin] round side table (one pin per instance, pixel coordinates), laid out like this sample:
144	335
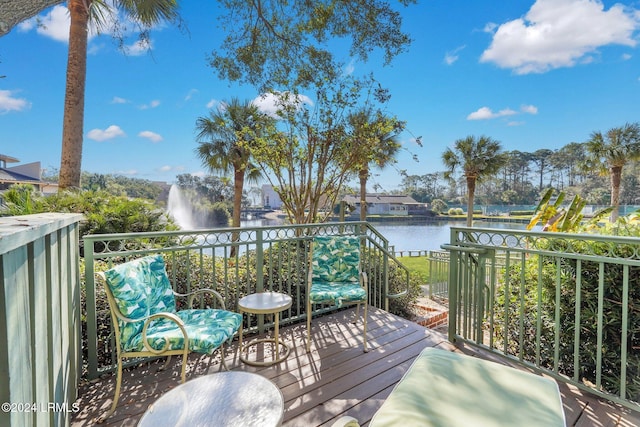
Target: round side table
230	399
265	303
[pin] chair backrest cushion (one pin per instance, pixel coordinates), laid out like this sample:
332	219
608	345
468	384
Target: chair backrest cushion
141	287
335	259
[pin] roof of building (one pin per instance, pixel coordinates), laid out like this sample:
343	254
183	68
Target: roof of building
7	175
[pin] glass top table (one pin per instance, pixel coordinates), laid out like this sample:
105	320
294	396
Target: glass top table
225	399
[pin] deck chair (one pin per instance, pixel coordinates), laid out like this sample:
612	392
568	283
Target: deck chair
335	277
147	323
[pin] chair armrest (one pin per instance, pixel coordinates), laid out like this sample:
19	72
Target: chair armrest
170	316
364	279
191	295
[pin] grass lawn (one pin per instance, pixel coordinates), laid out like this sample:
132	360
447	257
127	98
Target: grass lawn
417	265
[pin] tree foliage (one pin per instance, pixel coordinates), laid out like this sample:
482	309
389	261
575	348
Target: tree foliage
374	136
479	158
275	44
608	153
225	139
309	155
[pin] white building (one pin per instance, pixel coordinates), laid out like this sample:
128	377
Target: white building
270	199
384	204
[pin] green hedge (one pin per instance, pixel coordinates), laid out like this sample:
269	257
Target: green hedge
566	271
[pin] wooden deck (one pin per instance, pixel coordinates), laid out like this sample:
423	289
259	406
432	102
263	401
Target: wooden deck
335	379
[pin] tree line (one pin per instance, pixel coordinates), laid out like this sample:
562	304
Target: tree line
605	170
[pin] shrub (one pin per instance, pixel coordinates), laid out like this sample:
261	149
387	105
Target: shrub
547	271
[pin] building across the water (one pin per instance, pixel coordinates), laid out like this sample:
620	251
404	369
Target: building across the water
387	204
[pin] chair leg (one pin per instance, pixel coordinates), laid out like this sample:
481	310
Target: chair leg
365	328
309	315
166	364
222	357
355	318
183	373
116	397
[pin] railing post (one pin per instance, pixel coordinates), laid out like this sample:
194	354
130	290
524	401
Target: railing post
92	318
260	273
454	257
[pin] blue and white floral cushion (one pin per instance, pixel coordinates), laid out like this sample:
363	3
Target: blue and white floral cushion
141	288
335	270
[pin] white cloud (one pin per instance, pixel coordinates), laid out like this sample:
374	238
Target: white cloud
626	57
560	33
100	135
152	104
140	47
452	56
190	94
165	168
10	103
213	103
486	113
271	103
199	174
349	68
55	24
151	136
118	100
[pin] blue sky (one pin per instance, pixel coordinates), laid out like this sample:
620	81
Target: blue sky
530	74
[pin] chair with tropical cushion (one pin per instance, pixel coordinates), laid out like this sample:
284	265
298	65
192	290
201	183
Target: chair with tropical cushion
335	277
146	321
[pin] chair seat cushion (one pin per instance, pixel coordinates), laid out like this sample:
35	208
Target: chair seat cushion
443	388
336	293
207	330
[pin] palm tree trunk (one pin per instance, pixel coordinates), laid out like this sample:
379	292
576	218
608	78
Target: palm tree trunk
238	185
471	191
73	121
364	173
616	175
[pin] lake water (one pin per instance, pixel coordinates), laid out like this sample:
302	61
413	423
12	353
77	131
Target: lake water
429	236
413	235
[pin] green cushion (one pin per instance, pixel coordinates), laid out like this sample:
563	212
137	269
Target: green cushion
335	259
338	293
443	388
141	288
207	330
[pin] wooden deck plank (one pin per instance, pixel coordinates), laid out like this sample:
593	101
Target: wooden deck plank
336	378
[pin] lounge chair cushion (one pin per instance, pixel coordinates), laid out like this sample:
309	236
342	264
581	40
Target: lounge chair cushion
335	259
442	388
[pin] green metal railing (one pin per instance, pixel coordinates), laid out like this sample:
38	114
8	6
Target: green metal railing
565	304
234	262
438	274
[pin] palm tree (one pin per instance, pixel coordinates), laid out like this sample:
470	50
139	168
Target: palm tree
376	142
144	12
479	158
225	138
609	153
